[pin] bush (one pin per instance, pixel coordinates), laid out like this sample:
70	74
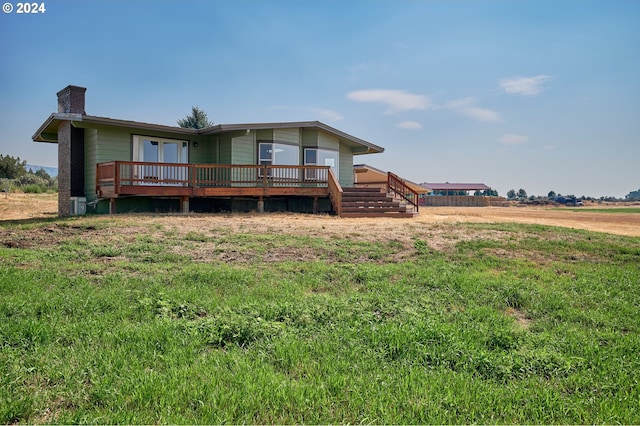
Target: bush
33	189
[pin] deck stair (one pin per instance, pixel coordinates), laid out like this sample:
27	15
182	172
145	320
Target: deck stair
372	202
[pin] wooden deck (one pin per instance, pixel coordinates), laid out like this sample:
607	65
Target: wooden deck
126	178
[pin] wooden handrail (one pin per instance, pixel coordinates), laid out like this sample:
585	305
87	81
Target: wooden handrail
115	174
335	192
399	187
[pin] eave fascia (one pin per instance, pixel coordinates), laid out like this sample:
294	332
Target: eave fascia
369	147
84	121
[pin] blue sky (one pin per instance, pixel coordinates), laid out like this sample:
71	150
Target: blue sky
540	95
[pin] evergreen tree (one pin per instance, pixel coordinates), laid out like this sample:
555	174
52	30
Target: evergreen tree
196	120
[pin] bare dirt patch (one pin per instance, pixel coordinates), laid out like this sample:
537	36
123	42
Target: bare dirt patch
42	206
17	206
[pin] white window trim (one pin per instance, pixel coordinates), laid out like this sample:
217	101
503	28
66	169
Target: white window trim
336	167
138	148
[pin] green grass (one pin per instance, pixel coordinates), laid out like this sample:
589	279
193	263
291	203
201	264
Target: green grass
108	321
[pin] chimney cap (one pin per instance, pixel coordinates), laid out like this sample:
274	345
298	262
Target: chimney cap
70	88
71	100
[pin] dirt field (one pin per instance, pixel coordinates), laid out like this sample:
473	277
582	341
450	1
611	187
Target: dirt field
32	206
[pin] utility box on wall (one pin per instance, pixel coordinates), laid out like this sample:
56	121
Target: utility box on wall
78	206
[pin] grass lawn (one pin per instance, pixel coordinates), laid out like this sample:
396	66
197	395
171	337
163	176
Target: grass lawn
120	320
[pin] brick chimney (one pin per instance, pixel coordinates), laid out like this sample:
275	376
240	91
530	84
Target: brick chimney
71	100
70	149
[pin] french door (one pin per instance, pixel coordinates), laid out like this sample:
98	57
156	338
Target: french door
157	150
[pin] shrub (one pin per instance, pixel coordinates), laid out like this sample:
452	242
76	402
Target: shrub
33	189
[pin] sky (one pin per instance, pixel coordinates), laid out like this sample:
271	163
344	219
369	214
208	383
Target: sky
539	95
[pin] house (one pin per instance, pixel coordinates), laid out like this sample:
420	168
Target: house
457	194
119	165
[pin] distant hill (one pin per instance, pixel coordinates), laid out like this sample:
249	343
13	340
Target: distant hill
52	171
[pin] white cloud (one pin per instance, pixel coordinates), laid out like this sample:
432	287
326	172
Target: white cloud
460	103
328	114
467	107
481	114
512	139
411	125
525	86
397	100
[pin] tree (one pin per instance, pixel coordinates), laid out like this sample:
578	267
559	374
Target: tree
633	196
511	194
551	194
11	168
197	120
522	193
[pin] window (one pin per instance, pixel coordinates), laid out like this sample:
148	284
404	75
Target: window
321	157
278	154
159	150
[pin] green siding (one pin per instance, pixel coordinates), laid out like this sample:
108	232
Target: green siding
328	141
264	135
113	145
291	136
346	166
310	138
225	149
205	152
243	149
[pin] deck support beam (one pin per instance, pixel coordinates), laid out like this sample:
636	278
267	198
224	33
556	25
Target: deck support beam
112	206
315	205
261	205
184	204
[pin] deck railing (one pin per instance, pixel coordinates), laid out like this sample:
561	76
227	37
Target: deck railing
401	189
116	174
335	193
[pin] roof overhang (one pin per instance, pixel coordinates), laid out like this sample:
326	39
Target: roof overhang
365	174
360	146
48	131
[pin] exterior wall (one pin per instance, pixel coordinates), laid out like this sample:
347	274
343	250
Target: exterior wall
205	152
290	136
309	138
225	149
346	166
243	149
327	141
264	135
64	169
77	162
90	161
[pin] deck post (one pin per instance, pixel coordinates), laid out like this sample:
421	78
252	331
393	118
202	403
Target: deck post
112	206
260	205
315	205
184	204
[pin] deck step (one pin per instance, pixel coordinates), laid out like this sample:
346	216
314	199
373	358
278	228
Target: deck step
374	209
353	189
367	195
372	202
388	215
